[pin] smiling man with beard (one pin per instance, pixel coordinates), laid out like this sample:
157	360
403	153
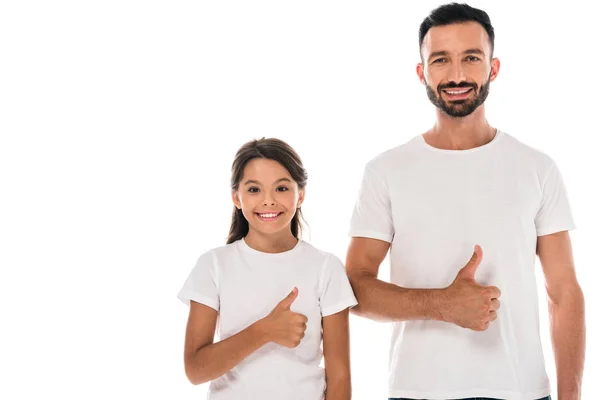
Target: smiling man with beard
463	210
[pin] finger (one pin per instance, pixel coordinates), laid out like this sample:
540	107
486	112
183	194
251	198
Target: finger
292	343
480	326
301	318
289	299
494	292
299	322
468	271
495	304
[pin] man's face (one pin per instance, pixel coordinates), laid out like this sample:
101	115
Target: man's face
457	67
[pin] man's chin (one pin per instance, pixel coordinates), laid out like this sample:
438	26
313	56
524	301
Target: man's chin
456	102
458	108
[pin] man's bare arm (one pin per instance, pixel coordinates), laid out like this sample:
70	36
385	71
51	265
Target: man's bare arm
464	303
567	312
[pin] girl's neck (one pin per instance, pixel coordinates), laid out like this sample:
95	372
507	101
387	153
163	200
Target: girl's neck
273	243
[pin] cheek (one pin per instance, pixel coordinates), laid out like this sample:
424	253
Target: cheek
247	201
289	200
433	83
434	74
477	72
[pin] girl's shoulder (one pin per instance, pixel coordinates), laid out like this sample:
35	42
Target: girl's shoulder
218	254
326	258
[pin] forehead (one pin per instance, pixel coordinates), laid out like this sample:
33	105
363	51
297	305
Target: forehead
263	168
455	38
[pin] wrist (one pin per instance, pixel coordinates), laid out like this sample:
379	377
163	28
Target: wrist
569	394
261	332
439	304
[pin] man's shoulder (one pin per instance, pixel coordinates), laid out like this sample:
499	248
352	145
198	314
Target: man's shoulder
518	149
394	156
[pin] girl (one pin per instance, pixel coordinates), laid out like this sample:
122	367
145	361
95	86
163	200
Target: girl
276	296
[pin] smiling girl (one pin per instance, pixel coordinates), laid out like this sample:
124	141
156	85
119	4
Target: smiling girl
276	298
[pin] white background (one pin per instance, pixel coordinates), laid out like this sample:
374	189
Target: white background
119	122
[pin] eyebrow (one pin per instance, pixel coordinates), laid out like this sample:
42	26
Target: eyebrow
474	51
252	181
445	53
437	54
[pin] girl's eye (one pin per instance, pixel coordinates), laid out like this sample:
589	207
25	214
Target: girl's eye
253	190
282	189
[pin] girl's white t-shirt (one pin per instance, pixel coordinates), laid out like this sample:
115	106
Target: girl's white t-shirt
434	206
244	285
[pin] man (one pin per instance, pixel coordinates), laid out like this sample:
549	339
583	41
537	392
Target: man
463	210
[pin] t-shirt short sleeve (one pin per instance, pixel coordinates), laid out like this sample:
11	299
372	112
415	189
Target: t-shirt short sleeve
372	216
554	214
200	285
336	293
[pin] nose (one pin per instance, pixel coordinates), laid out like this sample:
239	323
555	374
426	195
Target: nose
268	200
457	73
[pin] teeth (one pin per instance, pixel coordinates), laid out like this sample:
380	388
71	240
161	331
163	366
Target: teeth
457	91
268	215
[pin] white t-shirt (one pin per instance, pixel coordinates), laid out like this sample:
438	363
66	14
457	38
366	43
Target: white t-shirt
244	285
433	206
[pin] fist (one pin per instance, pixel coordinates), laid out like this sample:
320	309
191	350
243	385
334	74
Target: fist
284	326
470	304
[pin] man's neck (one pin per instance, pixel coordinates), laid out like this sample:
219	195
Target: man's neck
460	133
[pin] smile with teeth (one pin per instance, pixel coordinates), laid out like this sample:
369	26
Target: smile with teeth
269	216
457	91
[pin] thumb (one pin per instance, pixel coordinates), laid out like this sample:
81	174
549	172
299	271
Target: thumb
288	300
468	271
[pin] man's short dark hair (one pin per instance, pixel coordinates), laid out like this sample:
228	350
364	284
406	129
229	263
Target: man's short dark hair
455	13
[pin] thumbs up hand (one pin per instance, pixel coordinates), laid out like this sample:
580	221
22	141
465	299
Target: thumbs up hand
284	326
469	304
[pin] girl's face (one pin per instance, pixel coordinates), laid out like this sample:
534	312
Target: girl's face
267	196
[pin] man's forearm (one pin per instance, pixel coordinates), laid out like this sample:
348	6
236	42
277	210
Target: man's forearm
383	301
567	320
339	389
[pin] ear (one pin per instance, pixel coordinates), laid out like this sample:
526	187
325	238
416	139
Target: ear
495	69
236	200
421	72
301	194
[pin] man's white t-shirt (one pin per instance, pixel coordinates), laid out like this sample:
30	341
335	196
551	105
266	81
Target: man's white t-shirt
434	206
244	285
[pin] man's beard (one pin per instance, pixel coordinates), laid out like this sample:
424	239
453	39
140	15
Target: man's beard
458	108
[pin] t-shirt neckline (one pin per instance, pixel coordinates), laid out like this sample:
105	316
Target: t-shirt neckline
491	143
246	248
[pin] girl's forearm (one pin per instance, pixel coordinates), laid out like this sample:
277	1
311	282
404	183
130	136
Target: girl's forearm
214	360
